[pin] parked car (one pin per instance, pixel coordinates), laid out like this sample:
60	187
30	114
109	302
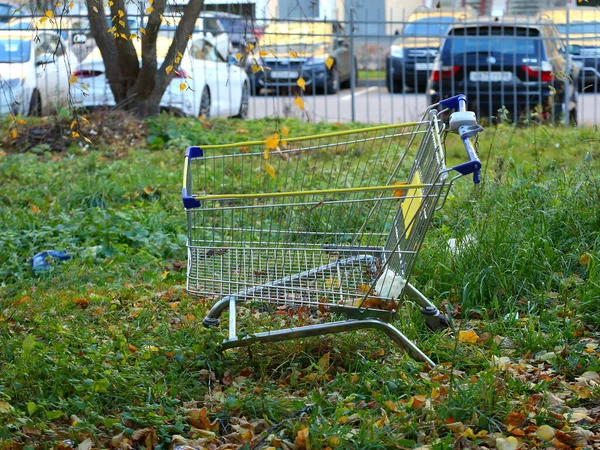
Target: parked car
242	31
68	28
511	63
216	88
302	49
581	33
203	26
33	72
411	56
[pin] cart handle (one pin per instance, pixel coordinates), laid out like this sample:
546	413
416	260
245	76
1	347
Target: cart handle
465	124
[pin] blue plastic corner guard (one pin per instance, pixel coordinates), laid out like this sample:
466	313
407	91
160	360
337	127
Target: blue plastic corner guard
189	202
454	102
194	152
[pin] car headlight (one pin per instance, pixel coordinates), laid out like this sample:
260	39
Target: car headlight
397	51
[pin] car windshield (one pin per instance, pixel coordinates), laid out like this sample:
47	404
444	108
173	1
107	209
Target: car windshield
6	12
234	25
15	50
580	28
496	40
302	48
431	26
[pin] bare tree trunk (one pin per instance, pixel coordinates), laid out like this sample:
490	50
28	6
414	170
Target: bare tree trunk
139	88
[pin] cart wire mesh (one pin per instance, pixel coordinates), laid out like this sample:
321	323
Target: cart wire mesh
313	221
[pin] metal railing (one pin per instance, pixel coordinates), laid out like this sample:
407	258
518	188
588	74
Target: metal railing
356	69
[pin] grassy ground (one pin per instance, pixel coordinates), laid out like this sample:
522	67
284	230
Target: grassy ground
107	349
371	74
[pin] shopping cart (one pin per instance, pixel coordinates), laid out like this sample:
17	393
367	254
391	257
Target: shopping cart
309	236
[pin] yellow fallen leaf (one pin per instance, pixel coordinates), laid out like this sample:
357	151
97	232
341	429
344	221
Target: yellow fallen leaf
324	361
302	442
468	336
299	102
164	274
35	209
545	433
13	133
329	63
510	443
302	83
285	131
416	401
270	170
74	134
469	434
585	259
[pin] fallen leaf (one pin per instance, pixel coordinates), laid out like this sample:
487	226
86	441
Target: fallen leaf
585	259
85	445
35	209
468	336
5	407
324	361
302	442
509	443
545	433
515	419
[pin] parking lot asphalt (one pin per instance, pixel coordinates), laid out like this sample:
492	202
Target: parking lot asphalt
376	105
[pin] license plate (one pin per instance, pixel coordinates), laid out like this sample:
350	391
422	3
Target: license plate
423	66
491	76
284	74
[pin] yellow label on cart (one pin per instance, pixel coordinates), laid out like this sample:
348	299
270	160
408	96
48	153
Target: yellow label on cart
411	204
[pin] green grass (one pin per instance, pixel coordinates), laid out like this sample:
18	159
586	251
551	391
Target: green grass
110	342
371	74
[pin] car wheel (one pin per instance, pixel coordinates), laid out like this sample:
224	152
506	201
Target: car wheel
347	84
393	86
243	113
333	82
205	104
573	117
35	105
254	89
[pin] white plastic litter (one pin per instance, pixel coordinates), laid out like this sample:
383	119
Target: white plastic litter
390	284
456	246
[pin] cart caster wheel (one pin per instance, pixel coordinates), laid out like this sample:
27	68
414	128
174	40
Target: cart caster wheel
209	322
434	319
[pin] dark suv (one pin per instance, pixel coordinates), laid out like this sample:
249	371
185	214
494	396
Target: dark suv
506	64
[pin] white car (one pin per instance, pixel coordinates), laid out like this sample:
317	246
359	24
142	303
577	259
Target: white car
34	72
204	26
211	87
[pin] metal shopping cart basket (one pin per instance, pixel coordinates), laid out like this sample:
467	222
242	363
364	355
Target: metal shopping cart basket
316	235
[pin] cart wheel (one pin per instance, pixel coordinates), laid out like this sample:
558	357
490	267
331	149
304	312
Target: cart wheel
209	322
434	319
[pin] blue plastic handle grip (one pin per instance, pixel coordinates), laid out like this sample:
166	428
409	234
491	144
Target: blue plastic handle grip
473	165
458	102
